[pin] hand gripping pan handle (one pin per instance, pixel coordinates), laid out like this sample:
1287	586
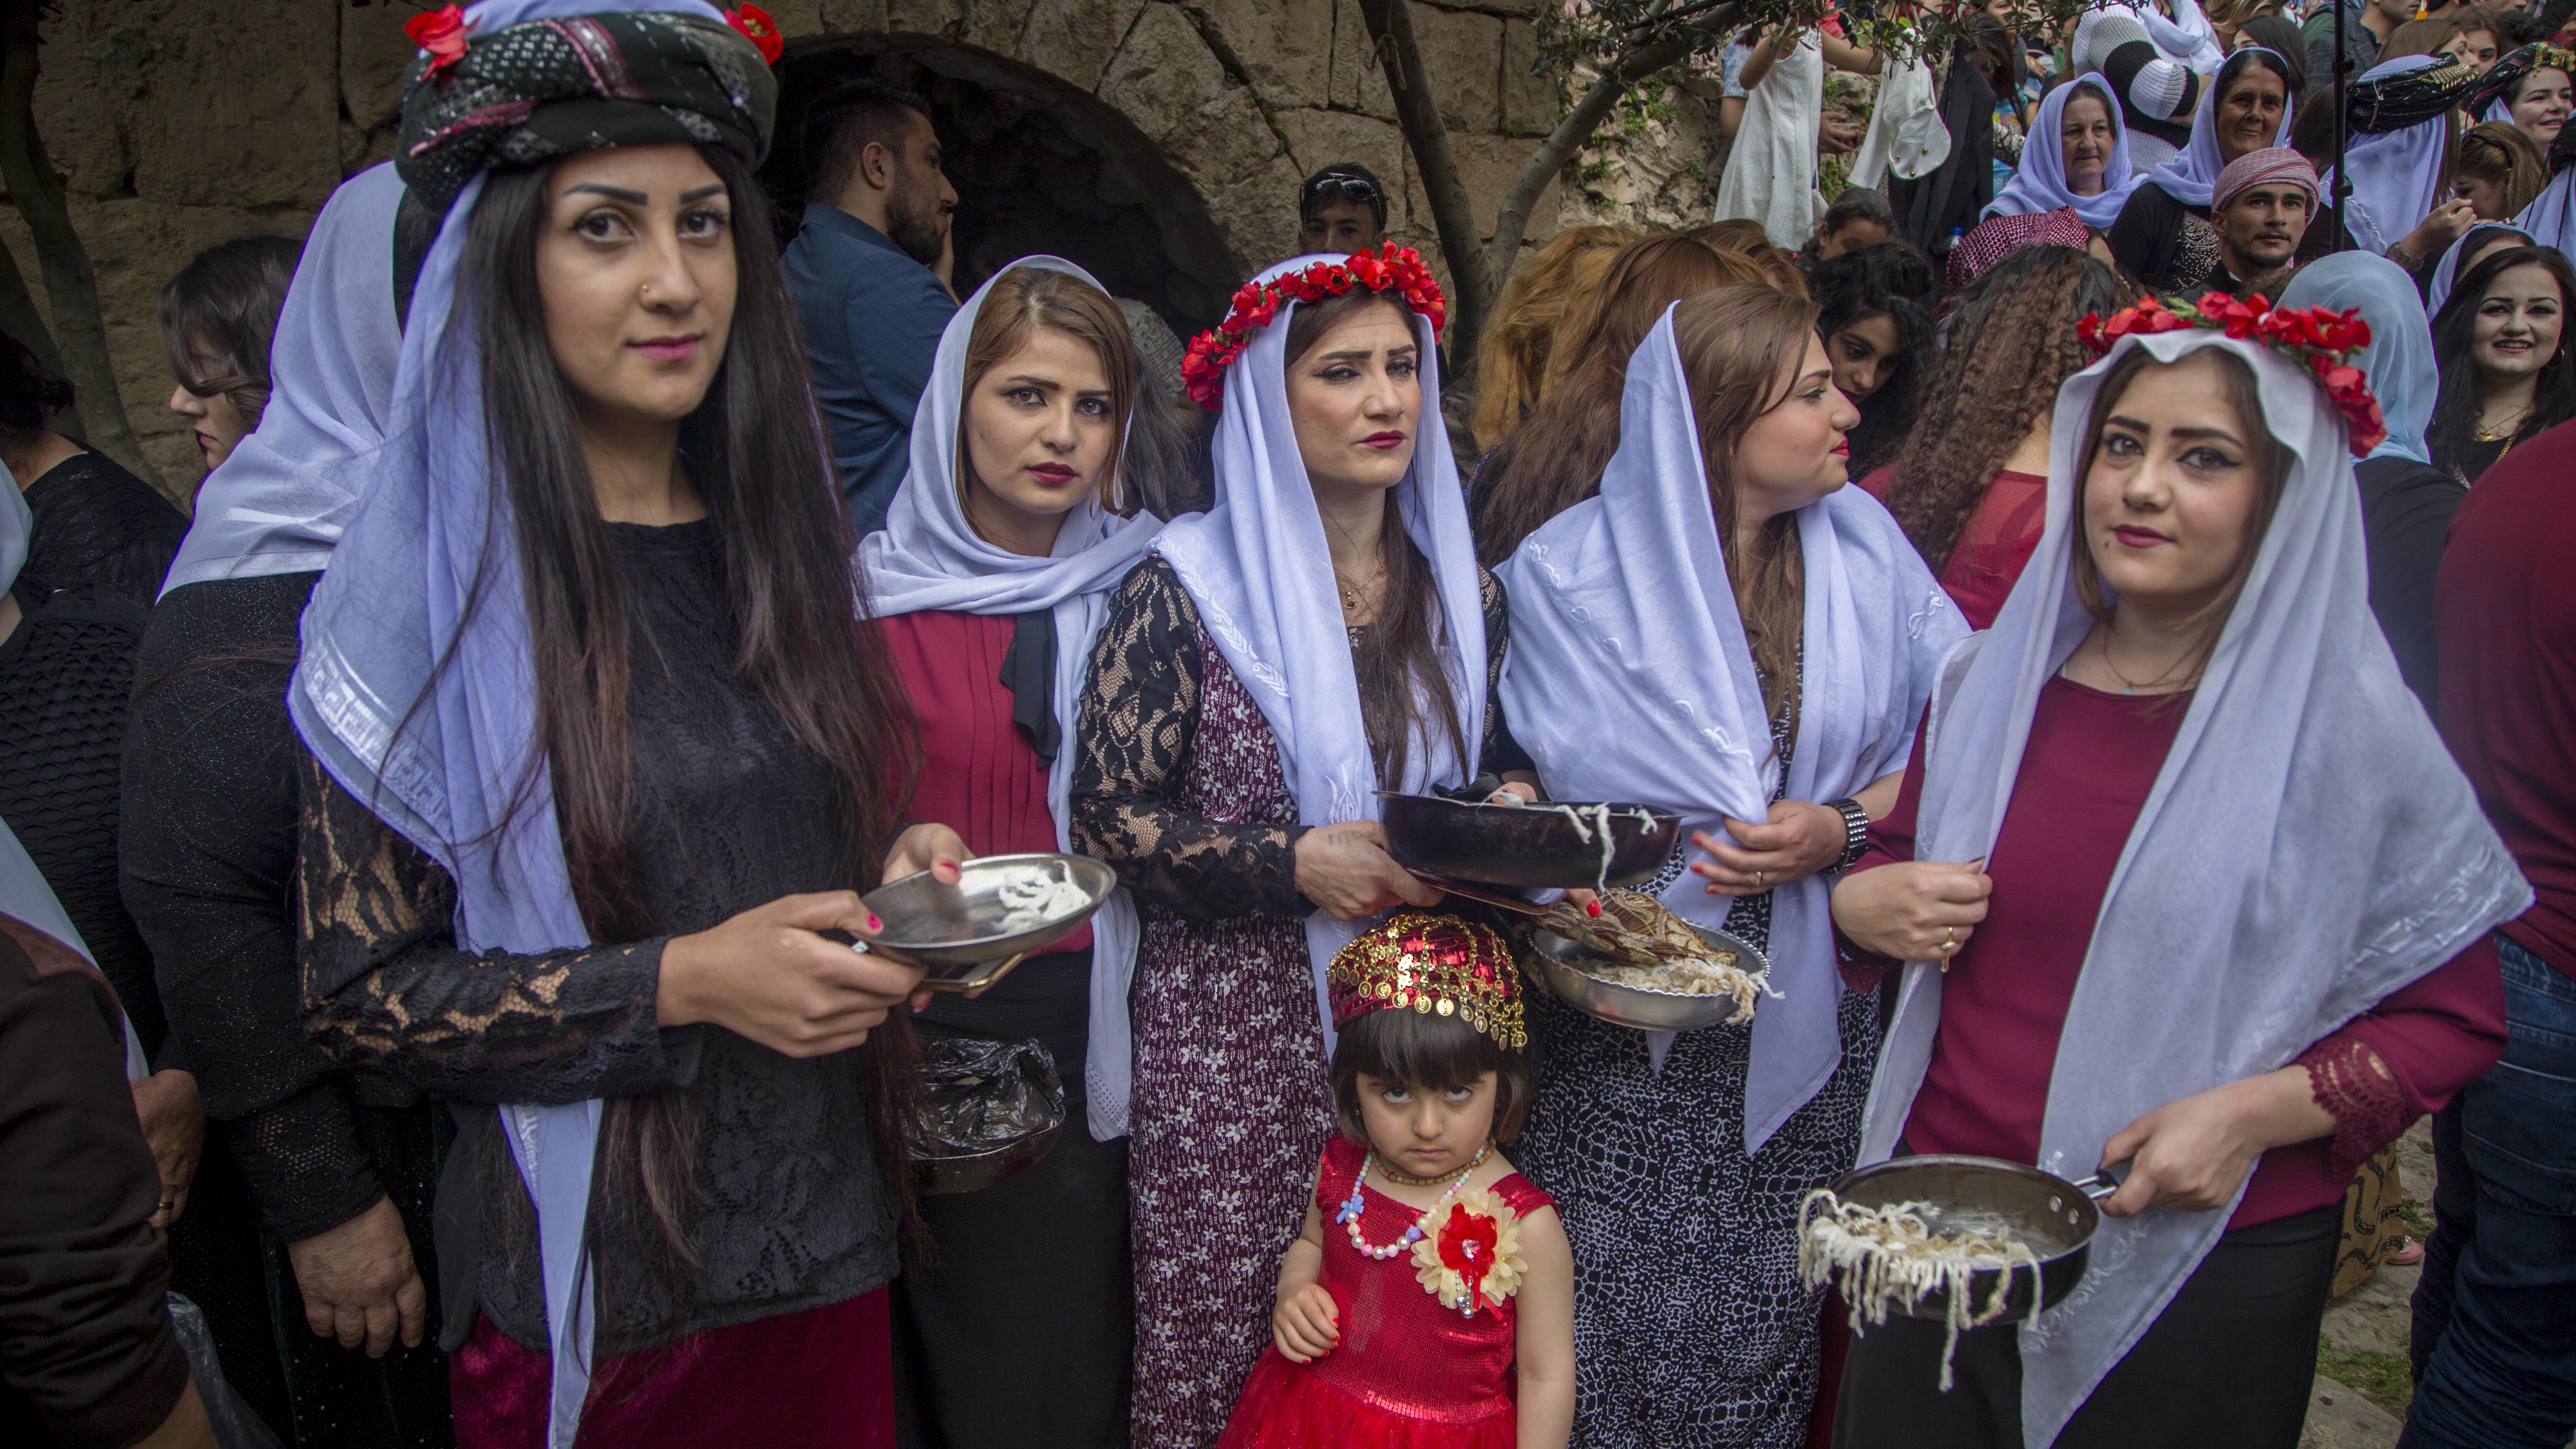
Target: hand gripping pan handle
2108	1181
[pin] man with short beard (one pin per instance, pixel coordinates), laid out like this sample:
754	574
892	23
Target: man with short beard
861	270
2260	208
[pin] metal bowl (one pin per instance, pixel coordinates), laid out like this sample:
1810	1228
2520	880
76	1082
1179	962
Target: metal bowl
1558	963
2055	1217
1529	847
972	1171
959	934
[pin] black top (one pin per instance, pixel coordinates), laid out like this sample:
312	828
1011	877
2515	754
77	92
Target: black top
1140	712
97	525
2164	242
65	676
2406	511
209	854
787	1209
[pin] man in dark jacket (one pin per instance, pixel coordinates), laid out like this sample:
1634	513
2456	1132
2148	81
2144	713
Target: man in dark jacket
861	271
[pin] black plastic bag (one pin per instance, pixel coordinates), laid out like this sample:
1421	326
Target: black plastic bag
978	1095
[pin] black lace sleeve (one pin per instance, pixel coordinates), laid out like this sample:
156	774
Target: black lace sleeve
387	990
1498	753
1140	711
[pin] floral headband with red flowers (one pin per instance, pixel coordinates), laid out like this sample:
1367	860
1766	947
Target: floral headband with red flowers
2319	338
1391	268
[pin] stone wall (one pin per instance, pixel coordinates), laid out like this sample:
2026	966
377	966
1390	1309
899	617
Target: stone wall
181	122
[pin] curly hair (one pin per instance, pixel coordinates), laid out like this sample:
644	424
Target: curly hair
2011	345
1511	363
1894	280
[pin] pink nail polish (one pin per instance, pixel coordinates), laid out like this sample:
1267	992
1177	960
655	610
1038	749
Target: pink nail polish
874	924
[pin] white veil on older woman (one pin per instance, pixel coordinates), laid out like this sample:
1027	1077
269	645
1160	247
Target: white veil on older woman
929	556
2307	849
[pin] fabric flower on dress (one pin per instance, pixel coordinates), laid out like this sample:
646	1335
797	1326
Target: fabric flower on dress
2319	338
1391	269
1472	1258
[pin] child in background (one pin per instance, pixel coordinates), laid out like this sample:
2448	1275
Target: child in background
1436	1309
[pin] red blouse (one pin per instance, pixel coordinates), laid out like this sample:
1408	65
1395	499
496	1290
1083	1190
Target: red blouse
1994	543
979	773
2091	761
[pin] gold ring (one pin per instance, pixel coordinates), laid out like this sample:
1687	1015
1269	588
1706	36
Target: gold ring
1757	880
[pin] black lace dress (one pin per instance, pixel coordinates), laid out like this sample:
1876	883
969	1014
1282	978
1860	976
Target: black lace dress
208	865
1691	1327
1178	785
786	1208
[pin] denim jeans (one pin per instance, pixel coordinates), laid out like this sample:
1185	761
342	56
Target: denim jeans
2495	1315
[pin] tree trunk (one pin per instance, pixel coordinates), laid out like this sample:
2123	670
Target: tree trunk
37	189
1417	114
20	319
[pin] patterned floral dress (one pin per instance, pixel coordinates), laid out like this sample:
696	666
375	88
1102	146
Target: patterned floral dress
1179	786
1691	1329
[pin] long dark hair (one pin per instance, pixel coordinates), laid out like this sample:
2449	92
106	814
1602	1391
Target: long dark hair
1893	280
2012	343
756	457
1740	349
1404	693
2461	399
1554	460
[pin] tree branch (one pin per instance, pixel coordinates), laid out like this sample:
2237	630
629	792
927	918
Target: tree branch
1417	114
37	189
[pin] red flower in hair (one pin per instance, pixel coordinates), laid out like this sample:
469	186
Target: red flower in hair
2320	339
1391	269
755	26
440	32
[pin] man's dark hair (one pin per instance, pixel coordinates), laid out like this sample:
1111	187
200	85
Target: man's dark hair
2517	28
1859	203
843	121
1341	182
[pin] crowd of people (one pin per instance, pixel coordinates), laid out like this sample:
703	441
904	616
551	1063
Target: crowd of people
435	996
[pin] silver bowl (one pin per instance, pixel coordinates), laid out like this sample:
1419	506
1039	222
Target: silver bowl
958	934
1555	960
972	1171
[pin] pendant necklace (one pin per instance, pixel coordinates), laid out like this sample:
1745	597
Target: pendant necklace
1357	1206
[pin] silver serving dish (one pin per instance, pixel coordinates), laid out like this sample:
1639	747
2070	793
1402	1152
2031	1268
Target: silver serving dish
1556	961
973	1171
959	935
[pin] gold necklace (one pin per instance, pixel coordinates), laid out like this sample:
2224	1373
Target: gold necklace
2129	686
1354	595
2485	436
1390	1174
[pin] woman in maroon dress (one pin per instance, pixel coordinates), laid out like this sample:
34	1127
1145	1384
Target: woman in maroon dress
1968	484
2205	895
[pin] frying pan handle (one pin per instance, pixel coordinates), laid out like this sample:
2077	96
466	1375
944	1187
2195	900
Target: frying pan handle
2108	1181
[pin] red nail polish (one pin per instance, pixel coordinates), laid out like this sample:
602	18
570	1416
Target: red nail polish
1592	907
952	865
874	924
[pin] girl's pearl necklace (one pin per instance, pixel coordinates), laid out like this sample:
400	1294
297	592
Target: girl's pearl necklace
1357	1207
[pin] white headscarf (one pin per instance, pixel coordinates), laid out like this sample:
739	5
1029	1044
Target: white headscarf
2399	359
2446	272
279	503
929	557
2191	176
1258	569
2396	175
17	530
2188	37
2040	184
2308	848
2551	217
1629	678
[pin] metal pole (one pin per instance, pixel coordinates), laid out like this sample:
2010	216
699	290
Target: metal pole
2342	78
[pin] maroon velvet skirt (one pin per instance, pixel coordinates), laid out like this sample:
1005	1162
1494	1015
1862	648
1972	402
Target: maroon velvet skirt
819	1379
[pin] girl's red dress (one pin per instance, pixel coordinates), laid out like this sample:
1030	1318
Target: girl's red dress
1409	1373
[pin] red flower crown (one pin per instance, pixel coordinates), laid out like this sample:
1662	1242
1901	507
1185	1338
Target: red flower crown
1390	268
2319	338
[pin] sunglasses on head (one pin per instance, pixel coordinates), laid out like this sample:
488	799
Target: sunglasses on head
1350	187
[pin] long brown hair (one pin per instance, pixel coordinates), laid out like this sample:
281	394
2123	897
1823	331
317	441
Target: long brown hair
2012	344
1511	363
1028	298
1740	348
1555	460
756	456
2270	460
1404	693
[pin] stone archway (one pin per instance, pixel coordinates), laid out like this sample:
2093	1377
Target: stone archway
1039	166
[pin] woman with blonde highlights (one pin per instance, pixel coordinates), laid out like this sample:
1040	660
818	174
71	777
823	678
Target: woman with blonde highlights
1512	362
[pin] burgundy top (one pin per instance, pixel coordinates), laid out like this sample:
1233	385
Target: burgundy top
2092	759
979	773
1994	543
2505	618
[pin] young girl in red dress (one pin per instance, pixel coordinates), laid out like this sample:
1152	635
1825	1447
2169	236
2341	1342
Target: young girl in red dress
1429	1301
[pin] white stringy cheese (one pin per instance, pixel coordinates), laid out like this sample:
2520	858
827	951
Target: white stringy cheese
1033	895
1889	1254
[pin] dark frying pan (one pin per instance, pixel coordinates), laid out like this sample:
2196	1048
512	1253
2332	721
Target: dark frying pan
2055	1217
1525	847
